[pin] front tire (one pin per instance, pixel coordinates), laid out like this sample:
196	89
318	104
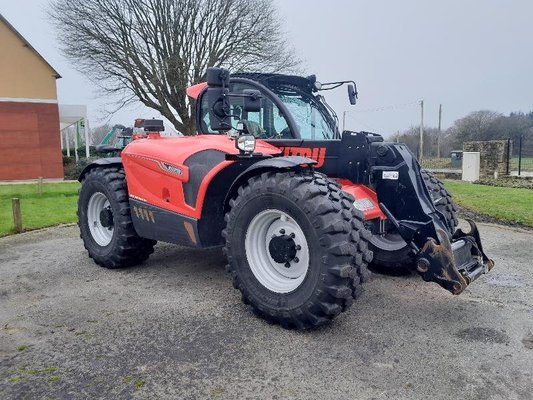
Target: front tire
296	248
104	219
391	253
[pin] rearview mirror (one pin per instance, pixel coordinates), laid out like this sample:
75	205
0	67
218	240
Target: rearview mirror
217	77
352	94
219	109
217	90
252	100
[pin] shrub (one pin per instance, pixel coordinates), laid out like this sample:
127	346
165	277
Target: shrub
507	182
73	170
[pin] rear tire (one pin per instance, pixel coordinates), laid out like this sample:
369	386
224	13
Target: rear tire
391	254
105	223
296	248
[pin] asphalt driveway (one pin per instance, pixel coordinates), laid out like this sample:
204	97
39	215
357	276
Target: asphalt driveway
175	328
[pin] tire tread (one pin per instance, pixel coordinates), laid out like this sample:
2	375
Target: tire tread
129	249
340	230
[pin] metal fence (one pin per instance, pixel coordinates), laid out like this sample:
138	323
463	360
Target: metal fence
521	157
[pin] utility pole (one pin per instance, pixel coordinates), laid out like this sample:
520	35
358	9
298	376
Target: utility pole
421	145
438	133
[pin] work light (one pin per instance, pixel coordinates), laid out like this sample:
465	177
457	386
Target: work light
245	143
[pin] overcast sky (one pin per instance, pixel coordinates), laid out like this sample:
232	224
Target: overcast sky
468	55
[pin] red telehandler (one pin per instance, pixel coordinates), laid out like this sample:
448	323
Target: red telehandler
300	208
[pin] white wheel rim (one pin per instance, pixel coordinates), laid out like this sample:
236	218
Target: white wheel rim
102	235
276	277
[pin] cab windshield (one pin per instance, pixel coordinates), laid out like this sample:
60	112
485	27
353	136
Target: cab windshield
307	114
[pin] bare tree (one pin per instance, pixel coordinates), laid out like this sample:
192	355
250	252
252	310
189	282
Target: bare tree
411	137
478	125
152	50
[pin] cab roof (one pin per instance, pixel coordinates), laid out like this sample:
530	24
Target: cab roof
271	81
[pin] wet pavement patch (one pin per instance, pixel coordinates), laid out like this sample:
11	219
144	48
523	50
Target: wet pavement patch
485	335
510	281
527	341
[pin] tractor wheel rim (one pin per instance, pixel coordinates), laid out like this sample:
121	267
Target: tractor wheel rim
278	277
98	204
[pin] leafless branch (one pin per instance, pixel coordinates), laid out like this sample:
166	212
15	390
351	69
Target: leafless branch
152	50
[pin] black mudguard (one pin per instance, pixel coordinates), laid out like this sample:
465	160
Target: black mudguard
110	161
268	164
224	187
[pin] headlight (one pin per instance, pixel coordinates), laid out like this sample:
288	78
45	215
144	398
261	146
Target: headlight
245	143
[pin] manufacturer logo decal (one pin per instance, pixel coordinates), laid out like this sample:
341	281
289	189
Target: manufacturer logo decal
138	198
393	175
171	168
163	165
318	153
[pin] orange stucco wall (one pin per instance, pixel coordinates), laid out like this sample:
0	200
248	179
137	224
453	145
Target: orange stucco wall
23	74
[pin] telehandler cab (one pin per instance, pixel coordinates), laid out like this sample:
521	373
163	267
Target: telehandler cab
300	208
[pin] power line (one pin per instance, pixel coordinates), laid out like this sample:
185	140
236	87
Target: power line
385	108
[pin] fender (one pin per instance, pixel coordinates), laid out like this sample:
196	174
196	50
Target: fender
224	186
110	161
275	163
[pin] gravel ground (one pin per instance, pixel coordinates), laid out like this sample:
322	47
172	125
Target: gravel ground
175	328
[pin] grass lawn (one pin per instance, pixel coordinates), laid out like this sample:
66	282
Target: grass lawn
503	203
527	164
57	205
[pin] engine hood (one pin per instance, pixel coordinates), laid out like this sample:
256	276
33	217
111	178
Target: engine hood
177	150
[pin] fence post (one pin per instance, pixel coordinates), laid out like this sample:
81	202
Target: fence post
40	186
17	217
520	155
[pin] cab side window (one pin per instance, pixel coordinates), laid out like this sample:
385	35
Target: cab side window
268	123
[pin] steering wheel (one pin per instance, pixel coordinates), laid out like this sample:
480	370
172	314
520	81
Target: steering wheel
253	128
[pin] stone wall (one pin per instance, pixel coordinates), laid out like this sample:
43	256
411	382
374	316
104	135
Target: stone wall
493	156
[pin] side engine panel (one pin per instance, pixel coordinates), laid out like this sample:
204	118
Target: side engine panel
177	186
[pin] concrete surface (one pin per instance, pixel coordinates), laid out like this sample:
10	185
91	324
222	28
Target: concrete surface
523	174
175	328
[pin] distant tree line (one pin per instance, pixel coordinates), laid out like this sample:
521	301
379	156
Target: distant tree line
478	125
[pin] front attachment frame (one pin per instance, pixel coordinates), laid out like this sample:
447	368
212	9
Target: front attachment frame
454	265
452	261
